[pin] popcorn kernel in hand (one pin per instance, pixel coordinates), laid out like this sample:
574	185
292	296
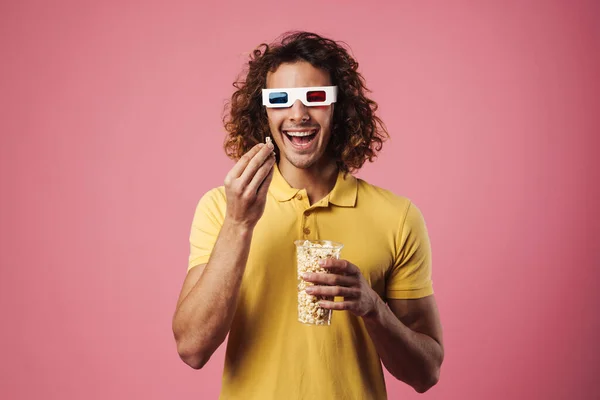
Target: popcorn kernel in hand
269	140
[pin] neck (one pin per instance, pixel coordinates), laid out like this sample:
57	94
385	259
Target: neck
318	180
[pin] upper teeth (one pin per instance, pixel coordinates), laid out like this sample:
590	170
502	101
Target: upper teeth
299	134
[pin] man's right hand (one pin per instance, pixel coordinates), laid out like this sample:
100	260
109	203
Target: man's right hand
203	315
246	185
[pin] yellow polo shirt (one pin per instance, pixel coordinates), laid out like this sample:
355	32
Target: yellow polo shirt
270	355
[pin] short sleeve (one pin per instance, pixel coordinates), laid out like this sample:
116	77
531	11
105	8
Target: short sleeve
410	277
206	225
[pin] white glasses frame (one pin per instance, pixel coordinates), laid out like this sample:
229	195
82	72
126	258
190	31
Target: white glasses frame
300	93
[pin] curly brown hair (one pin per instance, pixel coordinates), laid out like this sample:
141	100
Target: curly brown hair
357	133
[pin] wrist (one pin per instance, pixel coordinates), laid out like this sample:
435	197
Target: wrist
238	228
376	311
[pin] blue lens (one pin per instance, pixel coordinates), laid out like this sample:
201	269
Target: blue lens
278	98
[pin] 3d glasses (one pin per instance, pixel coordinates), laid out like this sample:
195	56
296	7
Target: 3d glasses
309	96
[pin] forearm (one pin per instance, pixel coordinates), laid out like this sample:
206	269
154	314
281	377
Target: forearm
204	317
410	356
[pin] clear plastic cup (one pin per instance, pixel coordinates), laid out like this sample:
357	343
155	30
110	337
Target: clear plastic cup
308	254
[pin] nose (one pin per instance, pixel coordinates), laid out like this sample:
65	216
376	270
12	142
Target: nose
299	112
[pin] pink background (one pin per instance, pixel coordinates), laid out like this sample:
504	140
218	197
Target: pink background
111	131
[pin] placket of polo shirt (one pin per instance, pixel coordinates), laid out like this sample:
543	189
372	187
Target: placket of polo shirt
303	206
309	219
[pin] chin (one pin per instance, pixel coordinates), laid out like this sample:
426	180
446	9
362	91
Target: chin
302	161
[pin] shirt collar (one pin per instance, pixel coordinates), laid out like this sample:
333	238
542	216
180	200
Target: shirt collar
280	189
343	194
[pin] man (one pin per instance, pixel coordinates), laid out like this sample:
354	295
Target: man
241	276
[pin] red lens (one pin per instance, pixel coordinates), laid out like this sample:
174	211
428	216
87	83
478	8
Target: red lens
315	96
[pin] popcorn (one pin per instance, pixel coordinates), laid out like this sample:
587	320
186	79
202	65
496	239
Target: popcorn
269	140
308	255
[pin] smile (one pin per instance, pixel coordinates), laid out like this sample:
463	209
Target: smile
301	139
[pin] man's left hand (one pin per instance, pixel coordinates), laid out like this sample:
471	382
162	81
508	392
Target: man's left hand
344	279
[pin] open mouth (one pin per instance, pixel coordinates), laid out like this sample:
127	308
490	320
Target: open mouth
301	139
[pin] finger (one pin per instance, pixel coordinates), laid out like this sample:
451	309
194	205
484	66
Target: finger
345	292
243	162
336	305
260	175
322	278
339	266
253	166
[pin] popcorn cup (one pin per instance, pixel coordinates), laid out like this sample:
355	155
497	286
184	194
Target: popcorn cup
308	254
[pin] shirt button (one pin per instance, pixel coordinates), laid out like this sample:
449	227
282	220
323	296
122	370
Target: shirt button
306	231
307	213
299	196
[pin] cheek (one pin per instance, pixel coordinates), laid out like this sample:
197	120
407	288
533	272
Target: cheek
273	119
324	116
